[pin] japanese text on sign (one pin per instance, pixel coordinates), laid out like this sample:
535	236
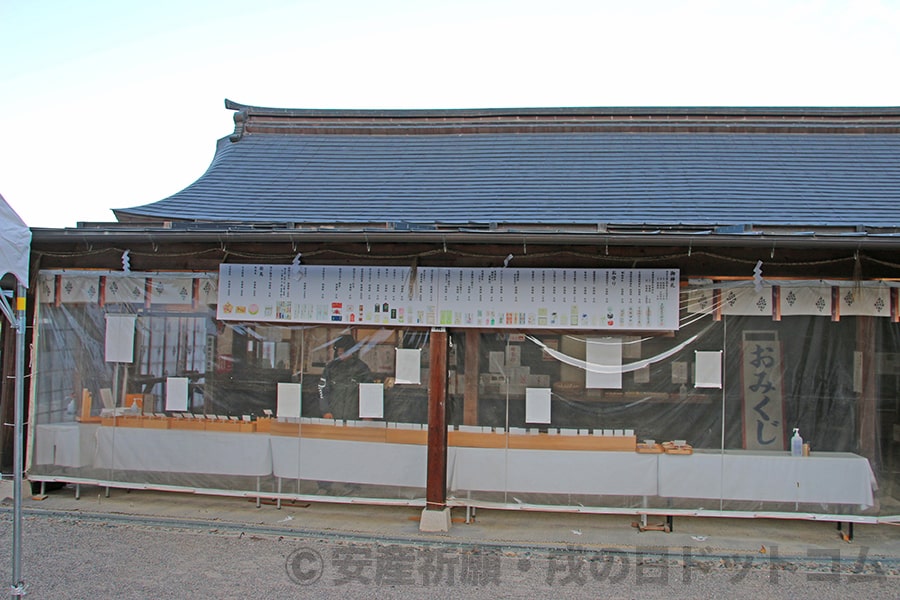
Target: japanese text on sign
632	299
763	395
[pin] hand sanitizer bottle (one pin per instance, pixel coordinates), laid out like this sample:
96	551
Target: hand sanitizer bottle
796	443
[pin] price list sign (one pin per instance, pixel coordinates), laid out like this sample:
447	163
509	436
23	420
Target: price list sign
612	299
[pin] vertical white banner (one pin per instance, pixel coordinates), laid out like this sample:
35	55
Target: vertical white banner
371	401
288	401
408	368
708	369
119	345
537	405
604	363
176	394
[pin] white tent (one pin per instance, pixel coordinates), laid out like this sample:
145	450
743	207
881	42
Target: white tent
15	241
15	248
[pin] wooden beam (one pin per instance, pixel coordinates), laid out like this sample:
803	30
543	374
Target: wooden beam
895	305
867	401
436	482
470	399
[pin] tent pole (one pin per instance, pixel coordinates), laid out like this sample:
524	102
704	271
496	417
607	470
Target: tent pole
17	588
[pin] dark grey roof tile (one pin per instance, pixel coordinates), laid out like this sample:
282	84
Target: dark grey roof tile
548	178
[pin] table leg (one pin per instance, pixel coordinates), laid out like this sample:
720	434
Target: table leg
78	491
258	499
642	525
847	537
645	503
278	502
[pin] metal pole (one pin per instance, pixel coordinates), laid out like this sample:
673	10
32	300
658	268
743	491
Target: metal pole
17	588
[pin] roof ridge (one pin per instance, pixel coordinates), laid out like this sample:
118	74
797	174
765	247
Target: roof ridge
263	120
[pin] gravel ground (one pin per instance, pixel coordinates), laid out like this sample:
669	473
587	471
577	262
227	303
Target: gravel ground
92	556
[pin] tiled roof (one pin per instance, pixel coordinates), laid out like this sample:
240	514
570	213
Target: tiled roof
700	168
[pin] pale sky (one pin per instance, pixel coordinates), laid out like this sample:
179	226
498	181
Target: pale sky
115	103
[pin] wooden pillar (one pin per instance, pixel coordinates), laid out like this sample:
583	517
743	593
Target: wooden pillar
470	399
436	483
867	401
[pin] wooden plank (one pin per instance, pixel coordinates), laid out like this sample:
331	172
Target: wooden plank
436	480
406	436
471	439
470	399
342	432
280	428
543	441
190	424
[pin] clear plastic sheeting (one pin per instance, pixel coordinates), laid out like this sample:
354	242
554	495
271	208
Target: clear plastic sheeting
178	400
694	420
138	384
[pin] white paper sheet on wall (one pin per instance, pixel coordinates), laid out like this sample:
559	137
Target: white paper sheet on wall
371	401
408	367
288	401
119	345
708	369
679	372
176	394
642	375
496	362
537	405
604	358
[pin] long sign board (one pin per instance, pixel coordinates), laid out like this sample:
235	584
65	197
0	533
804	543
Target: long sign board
613	299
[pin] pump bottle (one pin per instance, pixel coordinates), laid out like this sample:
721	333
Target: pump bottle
796	443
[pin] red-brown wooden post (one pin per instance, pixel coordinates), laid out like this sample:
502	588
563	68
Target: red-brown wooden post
436	516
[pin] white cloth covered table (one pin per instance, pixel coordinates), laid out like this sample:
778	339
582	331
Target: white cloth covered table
65	444
822	478
183	451
377	463
552	471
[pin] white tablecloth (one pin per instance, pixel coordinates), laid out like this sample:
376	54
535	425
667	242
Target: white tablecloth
65	444
349	461
823	478
552	471
183	451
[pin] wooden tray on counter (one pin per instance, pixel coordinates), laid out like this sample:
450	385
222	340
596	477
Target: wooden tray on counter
650	449
671	448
